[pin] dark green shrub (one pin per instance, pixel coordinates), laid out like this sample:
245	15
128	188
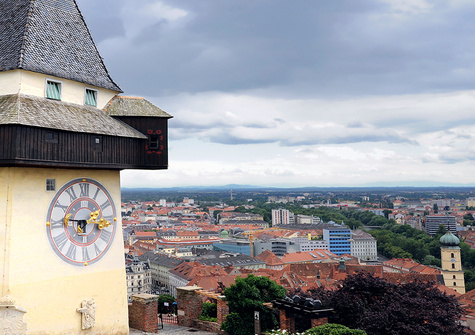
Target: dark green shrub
209	310
333	329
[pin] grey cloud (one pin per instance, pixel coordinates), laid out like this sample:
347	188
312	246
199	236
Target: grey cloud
227	138
423	124
102	18
355	124
197	125
303	48
347	139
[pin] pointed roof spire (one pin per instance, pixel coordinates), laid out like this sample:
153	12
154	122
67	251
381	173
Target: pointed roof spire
50	37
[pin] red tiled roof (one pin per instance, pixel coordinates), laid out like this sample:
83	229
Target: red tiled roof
270	258
145	234
316	255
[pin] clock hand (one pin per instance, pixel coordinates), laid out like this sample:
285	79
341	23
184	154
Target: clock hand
81	224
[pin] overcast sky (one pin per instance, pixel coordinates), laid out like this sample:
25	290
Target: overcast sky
299	93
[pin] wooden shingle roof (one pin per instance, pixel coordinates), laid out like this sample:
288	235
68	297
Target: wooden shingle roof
50	37
18	109
133	106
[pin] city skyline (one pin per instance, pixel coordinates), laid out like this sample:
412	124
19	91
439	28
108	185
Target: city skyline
308	93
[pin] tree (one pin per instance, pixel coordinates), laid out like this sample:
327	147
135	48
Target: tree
246	296
216	213
165	298
468	216
379	307
387	212
436	208
441	230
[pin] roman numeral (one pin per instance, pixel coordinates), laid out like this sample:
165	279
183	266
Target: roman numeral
71	253
97	250
105	235
72	194
95	194
55	224
105	205
63	207
60	240
85	255
84	190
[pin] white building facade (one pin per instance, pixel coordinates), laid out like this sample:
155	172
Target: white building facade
280	217
363	246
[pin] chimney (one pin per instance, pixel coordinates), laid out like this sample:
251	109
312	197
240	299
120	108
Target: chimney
342	266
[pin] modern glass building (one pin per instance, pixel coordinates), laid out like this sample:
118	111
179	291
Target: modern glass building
338	240
237	247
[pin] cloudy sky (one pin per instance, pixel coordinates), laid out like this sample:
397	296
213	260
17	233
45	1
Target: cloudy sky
299	93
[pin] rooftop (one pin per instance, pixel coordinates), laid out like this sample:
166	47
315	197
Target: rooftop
50	37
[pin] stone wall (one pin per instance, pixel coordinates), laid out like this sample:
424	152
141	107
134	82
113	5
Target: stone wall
143	313
190	304
207	326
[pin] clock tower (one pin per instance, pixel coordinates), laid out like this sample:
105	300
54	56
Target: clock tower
452	262
65	135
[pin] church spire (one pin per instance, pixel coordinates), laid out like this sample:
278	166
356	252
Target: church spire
50	37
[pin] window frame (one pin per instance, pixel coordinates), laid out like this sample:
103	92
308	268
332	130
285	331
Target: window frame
154	142
50	184
60	86
98	143
51	136
96	94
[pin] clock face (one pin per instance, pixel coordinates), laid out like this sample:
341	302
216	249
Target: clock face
81	222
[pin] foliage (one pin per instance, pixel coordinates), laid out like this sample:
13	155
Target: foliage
165	298
334	329
246	296
379	307
235	325
327	329
216	213
403	241
209	310
207	318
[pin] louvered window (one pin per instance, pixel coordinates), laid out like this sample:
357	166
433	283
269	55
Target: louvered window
153	142
53	90
91	97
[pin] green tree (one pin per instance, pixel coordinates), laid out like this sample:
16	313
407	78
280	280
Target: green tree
441	230
246	296
209	312
468	216
387	212
165	298
216	213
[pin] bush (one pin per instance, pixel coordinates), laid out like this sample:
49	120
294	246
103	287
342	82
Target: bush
328	329
209	310
234	325
333	329
207	318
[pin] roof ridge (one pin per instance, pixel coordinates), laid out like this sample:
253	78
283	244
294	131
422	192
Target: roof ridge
23	41
94	44
51	37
